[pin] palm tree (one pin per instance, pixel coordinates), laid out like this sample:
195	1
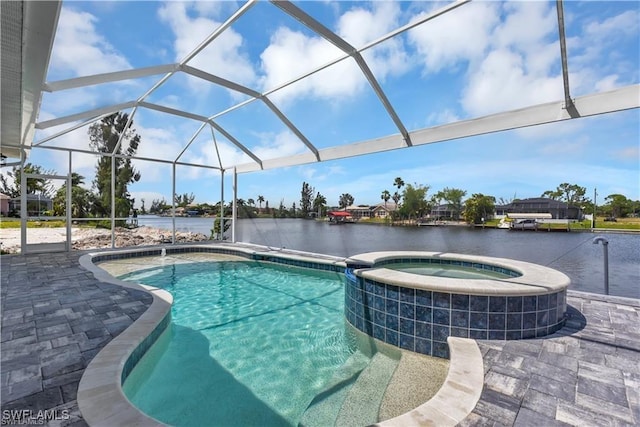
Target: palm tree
260	200
319	202
385	196
399	183
345	200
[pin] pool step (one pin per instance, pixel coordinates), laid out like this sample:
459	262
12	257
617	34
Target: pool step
324	408
362	403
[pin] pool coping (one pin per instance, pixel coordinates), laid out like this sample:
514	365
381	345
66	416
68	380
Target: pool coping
529	283
102	401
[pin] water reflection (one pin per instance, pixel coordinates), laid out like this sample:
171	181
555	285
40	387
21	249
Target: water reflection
572	253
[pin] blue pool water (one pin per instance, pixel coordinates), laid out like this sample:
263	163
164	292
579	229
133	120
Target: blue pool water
249	344
442	270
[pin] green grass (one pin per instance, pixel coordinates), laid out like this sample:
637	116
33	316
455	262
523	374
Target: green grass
15	223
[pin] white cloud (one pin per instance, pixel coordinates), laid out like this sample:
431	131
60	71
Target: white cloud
628	154
360	26
222	57
291	54
442	117
607	83
456	37
501	83
77	38
598	60
276	145
625	25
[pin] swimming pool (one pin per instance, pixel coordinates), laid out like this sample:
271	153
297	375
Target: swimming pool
446	270
249	343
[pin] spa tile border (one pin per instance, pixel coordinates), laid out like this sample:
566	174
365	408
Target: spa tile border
419	312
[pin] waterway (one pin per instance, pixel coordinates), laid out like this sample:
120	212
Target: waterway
572	253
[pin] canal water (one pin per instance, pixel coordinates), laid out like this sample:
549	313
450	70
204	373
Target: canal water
572	253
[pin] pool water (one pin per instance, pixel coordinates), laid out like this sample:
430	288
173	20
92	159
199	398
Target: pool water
444	270
249	344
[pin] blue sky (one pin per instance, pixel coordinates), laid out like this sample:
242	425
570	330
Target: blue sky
484	57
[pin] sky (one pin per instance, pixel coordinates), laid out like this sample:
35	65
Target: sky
484	57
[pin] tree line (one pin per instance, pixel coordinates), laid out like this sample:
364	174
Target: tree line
109	136
112	137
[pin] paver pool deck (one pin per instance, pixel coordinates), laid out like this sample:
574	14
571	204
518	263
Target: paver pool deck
56	317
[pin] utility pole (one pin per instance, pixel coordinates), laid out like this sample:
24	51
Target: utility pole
595	204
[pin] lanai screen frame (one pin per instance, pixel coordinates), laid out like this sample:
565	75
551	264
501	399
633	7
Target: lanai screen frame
565	109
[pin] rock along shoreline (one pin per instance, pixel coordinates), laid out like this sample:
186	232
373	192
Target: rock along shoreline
95	238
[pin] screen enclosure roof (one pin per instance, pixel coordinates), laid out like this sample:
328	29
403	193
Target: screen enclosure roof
241	97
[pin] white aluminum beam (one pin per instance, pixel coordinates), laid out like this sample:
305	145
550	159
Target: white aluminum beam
341	44
255	95
589	105
236	143
86	115
116	76
219	81
173	111
71	129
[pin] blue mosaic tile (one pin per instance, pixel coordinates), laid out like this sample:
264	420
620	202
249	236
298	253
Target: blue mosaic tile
528	333
424	314
479	320
514	321
378	332
393	292
529	303
423	330
460	332
392	306
440	333
460	318
391	322
514	304
529	320
497	335
541	332
423	346
407	326
514	335
460	302
553	300
392	337
478	334
543	302
407	310
542	319
408	295
368	300
424	298
497	304
379	318
378	289
379	303
441	300
441	316
407	342
441	349
497	321
478	303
